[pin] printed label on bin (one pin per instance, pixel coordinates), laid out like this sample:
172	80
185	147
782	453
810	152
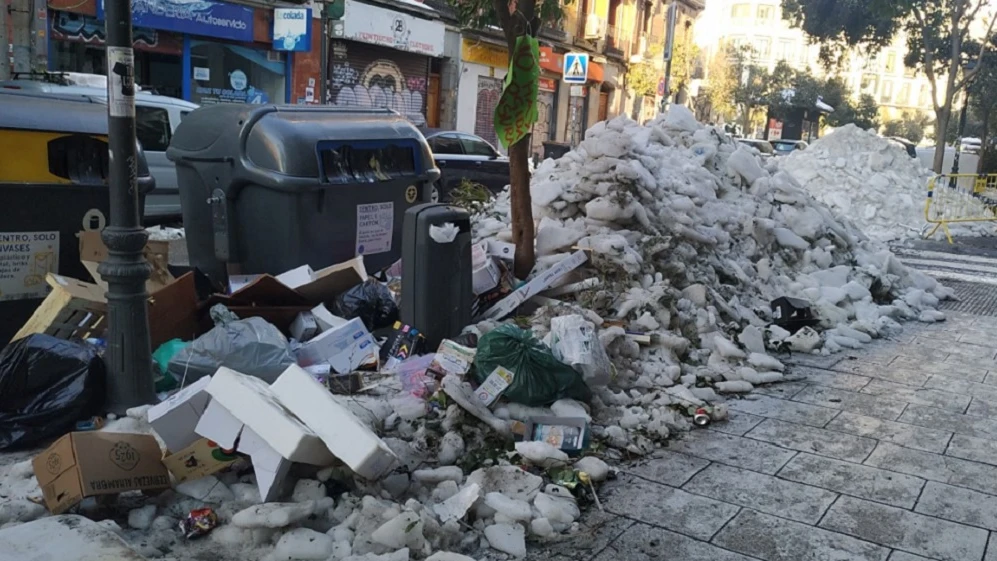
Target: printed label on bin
25	259
375	227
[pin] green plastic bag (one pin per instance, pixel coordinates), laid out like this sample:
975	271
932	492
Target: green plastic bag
540	379
161	357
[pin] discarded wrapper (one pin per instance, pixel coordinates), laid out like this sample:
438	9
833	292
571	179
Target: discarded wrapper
199	522
93	423
494	385
452	358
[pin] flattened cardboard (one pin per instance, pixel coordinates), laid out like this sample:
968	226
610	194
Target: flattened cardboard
346	348
332	281
85	464
539	283
202	458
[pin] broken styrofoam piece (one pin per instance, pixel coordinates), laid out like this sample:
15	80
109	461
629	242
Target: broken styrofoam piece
463	394
342	432
404	530
303	544
254	403
438	475
456	507
507	538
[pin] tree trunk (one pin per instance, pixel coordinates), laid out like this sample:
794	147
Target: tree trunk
522	207
942	118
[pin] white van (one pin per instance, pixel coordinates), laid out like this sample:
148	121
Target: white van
156	117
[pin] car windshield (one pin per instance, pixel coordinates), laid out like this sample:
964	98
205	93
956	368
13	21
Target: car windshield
784	146
760	145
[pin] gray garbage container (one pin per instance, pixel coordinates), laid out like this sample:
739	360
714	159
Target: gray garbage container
269	188
436	275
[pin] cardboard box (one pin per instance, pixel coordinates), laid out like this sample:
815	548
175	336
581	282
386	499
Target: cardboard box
569	434
175	419
345	348
172	311
539	283
85	464
452	358
485	272
202	458
296	277
493	386
326	319
322	286
502	250
348	438
304	327
93	252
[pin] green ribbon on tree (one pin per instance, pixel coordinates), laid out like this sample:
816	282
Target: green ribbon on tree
516	111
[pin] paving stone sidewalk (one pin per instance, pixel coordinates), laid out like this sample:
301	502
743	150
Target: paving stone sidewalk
888	453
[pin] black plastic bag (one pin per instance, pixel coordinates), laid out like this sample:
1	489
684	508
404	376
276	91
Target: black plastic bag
46	386
371	301
539	378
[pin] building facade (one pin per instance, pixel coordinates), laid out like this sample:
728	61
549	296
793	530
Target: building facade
758	24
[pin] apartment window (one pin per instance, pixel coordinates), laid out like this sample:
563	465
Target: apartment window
740	11
764	13
923	96
803	55
785	51
887	95
891	63
903	98
870	83
763	48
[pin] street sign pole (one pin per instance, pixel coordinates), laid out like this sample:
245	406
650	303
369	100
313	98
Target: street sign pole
128	357
669	47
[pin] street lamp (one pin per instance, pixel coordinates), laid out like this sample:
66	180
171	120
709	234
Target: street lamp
128	356
962	122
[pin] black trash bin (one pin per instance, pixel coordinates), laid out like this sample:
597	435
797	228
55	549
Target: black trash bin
554	150
53	184
265	189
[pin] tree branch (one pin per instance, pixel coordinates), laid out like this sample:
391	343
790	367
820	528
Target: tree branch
505	21
980	58
929	57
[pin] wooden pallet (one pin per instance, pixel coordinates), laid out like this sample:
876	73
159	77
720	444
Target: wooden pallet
73	310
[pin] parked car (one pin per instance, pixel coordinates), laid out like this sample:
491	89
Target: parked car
971	145
786	147
156	117
763	146
461	155
909	146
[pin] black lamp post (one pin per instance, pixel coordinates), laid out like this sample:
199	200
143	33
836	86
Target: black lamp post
128	356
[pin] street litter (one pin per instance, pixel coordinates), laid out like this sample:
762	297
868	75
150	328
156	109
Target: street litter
310	415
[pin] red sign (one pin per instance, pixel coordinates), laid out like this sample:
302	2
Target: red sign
550	61
548	85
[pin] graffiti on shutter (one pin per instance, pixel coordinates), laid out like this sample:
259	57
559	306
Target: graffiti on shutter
397	83
489	92
541	129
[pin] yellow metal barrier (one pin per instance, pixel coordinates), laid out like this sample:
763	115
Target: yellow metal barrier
957	198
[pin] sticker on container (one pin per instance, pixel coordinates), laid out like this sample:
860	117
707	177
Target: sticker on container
94	220
375	228
25	259
202	73
121	90
411	193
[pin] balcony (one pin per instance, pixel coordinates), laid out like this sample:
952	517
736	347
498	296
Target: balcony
615	42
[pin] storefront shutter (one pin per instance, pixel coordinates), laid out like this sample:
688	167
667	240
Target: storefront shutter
362	75
489	92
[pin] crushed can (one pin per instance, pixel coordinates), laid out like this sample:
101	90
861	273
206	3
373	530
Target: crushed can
701	417
198	522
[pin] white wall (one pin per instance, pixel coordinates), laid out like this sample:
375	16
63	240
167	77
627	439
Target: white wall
467	92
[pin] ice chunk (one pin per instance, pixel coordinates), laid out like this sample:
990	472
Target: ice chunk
273	515
570	408
745	164
308	490
457	506
434	476
787	238
765	362
404	530
561	511
734	387
541	527
451	448
510	508
541	454
597	469
400	555
507	538
511	481
752	339
447	556
304	544
726	348
141	518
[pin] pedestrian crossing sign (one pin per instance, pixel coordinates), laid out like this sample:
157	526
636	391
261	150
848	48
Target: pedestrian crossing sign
576	68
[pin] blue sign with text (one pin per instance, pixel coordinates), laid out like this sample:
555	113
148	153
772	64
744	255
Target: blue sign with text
196	17
292	29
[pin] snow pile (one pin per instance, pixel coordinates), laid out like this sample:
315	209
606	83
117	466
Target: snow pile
867	178
691	239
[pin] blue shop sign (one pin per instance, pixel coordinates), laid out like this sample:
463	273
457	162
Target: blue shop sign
196	17
292	29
